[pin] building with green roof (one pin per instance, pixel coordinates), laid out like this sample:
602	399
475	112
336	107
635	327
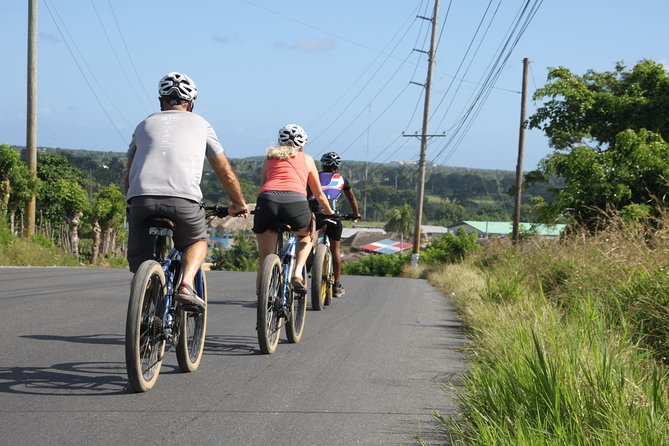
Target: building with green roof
486	229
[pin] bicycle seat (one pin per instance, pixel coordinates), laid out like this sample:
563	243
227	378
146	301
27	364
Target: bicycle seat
160	225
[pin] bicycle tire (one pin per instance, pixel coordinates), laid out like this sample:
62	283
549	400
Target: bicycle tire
268	322
329	280
144	341
192	330
319	278
298	314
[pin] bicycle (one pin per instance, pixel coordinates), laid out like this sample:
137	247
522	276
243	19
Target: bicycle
322	271
154	317
279	304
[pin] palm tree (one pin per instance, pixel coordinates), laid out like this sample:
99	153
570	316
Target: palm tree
400	221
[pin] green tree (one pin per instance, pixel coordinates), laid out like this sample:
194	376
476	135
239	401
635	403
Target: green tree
73	203
107	214
609	133
51	168
241	256
594	108
24	184
9	159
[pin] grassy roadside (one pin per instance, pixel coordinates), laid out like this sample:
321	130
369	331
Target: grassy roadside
36	251
568	341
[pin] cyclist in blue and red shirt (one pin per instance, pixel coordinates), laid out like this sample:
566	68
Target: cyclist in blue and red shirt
333	184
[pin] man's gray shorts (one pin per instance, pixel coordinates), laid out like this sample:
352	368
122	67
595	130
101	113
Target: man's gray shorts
188	216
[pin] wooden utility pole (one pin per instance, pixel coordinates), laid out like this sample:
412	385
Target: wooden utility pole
519	164
31	124
423	142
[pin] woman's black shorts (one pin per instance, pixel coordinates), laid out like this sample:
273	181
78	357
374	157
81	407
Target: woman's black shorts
270	213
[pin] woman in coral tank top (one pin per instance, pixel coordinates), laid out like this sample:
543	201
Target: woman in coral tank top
283	197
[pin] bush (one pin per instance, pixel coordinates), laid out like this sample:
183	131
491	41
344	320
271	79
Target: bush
384	265
449	248
242	256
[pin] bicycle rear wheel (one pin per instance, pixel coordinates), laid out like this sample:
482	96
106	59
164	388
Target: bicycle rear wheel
319	277
192	330
144	340
268	323
298	313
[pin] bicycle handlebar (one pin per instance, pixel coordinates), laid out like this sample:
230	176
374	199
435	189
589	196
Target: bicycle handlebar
340	217
219	211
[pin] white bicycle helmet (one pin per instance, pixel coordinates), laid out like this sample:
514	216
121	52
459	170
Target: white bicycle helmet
330	160
292	135
178	85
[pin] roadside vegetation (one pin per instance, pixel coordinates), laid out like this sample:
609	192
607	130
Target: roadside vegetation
568	341
38	251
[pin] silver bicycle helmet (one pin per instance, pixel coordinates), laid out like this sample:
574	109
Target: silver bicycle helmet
292	135
330	160
177	85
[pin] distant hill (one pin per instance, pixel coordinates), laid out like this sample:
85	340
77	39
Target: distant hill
481	193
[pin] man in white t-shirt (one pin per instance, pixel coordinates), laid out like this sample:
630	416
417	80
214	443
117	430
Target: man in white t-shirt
165	163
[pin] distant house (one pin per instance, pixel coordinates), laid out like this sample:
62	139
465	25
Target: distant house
433	231
485	229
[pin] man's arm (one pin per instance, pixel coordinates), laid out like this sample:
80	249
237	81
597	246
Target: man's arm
230	183
350	196
126	179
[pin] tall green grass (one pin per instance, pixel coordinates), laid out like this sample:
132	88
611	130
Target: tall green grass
35	251
568	341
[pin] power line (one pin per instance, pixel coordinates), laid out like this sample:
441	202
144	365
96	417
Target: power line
382	52
118	60
523	18
97	98
127	52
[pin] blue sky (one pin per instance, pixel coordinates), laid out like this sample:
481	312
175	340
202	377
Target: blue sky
346	70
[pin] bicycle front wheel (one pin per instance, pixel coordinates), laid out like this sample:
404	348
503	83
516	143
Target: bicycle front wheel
319	277
268	323
144	340
192	329
298	313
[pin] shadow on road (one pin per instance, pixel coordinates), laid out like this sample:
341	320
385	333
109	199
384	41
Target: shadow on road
97	339
238	303
74	378
230	345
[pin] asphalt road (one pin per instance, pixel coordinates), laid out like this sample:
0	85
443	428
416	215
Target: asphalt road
369	368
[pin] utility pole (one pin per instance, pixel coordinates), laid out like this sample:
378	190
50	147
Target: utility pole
519	164
31	124
423	141
369	118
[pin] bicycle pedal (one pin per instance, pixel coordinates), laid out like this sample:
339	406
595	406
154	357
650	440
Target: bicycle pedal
191	308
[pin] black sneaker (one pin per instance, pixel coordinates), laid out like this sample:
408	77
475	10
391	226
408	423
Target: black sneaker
339	290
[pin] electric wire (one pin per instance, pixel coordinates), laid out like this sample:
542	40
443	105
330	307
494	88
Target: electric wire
118	60
382	52
127	52
81	70
362	89
353	121
396	98
377	118
517	29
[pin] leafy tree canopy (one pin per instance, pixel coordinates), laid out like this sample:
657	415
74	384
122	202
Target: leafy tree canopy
595	107
609	131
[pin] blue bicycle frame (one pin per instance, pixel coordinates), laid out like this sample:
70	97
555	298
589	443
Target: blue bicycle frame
287	253
170	276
